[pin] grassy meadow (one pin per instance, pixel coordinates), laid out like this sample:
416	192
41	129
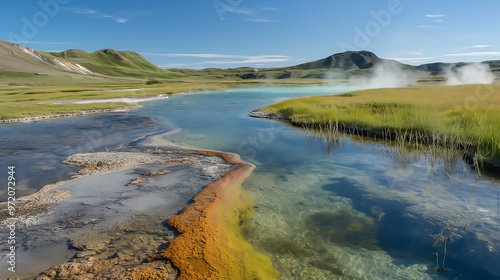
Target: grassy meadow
470	114
28	94
28	100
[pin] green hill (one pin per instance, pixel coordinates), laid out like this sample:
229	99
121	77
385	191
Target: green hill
15	58
114	63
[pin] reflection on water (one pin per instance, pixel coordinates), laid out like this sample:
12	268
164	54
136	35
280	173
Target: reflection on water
372	221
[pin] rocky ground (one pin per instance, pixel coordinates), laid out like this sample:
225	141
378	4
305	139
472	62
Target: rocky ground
106	222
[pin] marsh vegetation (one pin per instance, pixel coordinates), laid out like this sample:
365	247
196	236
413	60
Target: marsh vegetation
461	117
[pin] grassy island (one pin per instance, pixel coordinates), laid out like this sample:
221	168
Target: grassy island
468	114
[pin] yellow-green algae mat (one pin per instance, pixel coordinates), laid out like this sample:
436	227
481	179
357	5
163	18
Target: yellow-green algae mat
211	245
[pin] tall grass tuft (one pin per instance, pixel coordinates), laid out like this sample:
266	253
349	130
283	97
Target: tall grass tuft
430	116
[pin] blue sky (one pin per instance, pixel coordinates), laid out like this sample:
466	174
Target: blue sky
259	33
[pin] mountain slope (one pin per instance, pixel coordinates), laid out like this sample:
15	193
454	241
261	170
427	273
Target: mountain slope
349	60
494	65
114	63
107	62
17	58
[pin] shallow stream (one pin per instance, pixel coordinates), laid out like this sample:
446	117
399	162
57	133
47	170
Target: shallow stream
353	211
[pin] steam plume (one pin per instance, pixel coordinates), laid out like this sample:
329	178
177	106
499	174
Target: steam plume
474	73
387	74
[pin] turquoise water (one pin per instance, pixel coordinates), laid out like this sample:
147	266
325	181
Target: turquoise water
352	211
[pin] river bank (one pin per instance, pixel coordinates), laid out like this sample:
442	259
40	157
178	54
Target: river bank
67	115
475	160
111	214
447	116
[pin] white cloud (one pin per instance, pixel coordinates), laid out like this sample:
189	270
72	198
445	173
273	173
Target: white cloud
254	59
82	11
435	16
239	10
415	53
44	43
254	13
235	59
481	46
174	65
121	20
95	13
474	54
202	55
439	20
269	9
263	20
426	26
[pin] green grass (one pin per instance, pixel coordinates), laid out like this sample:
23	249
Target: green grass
470	114
19	102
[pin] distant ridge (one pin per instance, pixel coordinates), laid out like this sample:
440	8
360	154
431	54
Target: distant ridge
346	63
109	62
438	68
340	65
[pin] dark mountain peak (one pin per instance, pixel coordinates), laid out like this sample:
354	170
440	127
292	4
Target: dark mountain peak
353	60
110	52
346	61
356	53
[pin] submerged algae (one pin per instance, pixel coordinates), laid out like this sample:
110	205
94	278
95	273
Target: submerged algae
284	247
343	228
329	265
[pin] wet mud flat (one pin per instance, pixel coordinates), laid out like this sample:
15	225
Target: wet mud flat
108	220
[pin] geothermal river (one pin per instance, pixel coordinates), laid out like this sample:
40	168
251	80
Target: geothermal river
351	210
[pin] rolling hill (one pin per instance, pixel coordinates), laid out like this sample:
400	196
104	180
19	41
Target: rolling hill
107	62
